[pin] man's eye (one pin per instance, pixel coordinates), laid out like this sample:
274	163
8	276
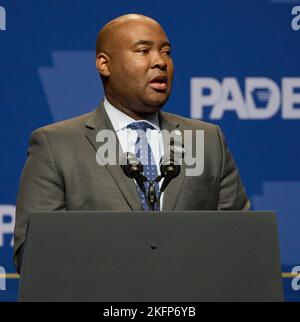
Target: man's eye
167	52
143	50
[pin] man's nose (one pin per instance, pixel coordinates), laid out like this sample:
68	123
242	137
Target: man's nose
159	61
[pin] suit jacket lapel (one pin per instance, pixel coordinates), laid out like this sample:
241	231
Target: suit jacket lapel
172	192
98	121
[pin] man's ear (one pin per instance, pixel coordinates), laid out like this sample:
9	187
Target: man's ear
102	61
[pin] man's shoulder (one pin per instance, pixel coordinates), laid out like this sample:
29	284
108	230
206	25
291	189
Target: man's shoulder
70	126
188	123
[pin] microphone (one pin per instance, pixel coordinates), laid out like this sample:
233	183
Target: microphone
133	169
169	170
169	167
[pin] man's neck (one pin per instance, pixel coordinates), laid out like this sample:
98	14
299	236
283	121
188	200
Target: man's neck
131	113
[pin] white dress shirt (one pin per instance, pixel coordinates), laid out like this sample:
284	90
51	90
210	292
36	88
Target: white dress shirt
127	138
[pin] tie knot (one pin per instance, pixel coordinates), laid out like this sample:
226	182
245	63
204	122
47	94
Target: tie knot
142	126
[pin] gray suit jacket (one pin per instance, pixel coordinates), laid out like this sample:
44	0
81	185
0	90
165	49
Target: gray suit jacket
61	173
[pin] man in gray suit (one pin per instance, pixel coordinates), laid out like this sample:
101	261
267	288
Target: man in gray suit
133	57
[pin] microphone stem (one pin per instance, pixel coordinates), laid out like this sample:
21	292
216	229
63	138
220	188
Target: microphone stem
152	195
142	187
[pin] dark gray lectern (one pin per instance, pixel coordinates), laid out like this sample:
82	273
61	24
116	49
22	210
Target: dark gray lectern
158	256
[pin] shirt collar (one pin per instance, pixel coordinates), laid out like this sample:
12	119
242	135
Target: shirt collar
121	120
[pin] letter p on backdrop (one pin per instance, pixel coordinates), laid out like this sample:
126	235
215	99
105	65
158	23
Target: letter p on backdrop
2	279
2	18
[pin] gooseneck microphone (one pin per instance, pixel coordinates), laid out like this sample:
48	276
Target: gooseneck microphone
169	165
169	170
133	169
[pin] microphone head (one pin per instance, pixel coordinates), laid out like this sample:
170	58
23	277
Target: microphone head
168	168
132	167
170	163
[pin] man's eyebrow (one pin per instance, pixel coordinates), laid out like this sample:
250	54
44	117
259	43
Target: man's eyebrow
166	43
150	43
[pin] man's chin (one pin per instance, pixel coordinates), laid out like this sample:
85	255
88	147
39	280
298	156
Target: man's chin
156	102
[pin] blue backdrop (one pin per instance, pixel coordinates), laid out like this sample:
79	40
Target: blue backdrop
236	65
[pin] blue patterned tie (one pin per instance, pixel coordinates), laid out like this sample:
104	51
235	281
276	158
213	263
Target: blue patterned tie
144	154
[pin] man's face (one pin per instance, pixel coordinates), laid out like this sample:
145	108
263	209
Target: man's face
140	67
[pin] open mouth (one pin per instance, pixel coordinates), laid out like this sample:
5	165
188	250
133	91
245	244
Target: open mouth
159	83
